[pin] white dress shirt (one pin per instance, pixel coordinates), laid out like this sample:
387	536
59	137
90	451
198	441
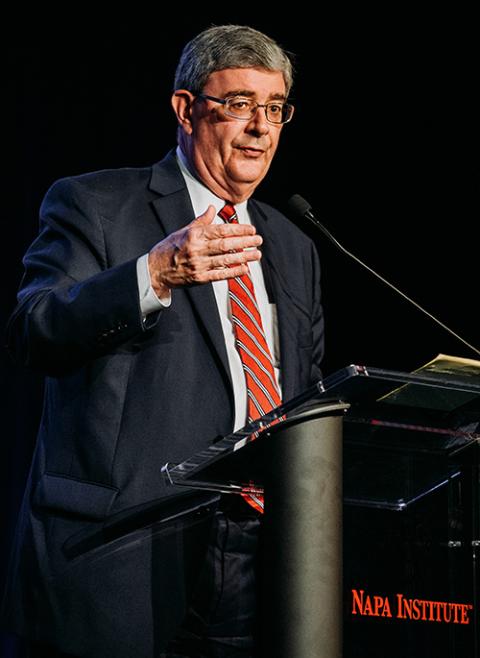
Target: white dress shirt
201	197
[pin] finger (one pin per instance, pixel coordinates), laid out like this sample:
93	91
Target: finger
229	230
236	243
233	259
206	219
227	272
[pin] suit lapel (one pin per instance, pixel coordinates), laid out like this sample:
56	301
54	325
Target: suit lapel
174	210
275	271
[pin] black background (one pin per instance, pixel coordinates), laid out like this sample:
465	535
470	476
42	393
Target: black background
384	145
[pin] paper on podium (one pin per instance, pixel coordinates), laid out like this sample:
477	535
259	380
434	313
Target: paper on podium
455	368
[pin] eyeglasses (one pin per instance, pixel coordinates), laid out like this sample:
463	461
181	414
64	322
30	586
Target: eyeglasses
244	109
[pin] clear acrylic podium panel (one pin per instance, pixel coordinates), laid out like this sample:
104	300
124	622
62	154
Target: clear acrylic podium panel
404	436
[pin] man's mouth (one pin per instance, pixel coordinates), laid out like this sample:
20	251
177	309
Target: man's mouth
251	150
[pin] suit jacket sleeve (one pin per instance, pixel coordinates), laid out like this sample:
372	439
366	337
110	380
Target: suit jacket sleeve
71	305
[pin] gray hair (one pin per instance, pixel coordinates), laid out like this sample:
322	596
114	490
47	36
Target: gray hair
225	47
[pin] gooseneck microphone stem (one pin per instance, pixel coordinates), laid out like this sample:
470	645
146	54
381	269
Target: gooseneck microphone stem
300	207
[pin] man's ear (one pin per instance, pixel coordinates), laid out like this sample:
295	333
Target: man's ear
182	101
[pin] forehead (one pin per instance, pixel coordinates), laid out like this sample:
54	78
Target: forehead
260	83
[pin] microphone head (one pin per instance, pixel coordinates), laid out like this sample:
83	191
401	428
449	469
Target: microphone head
298	206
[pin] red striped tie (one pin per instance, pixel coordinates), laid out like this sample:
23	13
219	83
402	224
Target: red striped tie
262	388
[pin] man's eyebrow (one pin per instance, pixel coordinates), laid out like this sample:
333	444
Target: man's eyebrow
248	93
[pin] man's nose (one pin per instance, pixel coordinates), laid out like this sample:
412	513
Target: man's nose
258	124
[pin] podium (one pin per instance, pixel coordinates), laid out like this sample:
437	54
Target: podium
371	525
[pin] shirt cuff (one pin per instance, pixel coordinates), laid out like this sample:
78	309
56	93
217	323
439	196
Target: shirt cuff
149	302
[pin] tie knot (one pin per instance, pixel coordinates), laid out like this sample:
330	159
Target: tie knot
228	213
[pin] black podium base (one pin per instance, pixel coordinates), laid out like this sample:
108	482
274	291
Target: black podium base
302	600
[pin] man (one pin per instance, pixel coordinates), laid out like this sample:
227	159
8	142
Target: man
128	306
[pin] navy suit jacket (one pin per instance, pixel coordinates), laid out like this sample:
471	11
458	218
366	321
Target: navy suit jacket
93	571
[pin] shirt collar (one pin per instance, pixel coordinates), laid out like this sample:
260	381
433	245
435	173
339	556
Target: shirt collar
201	196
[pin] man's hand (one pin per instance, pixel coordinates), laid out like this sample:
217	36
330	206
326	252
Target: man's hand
202	252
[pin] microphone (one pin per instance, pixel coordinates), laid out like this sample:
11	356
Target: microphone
300	208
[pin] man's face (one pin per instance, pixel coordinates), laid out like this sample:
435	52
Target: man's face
232	156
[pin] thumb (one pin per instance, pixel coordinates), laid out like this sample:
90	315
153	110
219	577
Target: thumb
207	217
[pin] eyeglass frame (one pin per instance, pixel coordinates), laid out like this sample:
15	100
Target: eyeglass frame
225	101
